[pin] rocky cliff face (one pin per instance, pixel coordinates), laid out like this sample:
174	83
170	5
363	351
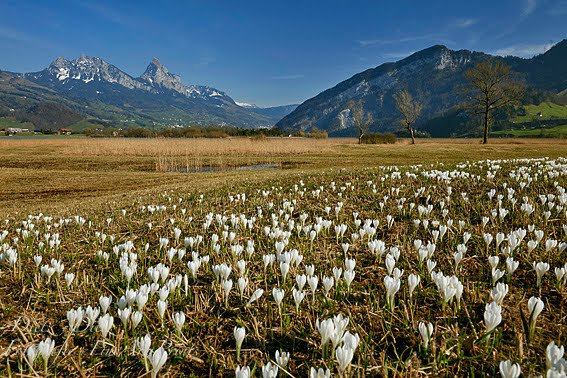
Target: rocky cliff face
431	75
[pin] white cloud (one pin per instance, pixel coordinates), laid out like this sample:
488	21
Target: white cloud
107	13
21	37
15	35
370	42
465	23
524	51
529	7
397	55
288	77
380	41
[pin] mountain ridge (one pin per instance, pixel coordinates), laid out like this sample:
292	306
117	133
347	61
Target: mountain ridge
432	75
98	89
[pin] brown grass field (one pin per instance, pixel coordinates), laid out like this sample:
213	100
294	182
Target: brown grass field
107	215
49	173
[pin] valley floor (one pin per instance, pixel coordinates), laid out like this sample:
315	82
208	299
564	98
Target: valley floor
86	173
358	260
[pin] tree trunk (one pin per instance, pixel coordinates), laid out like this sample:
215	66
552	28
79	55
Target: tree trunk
412	137
485	138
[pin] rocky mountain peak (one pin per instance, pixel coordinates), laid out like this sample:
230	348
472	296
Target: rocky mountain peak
158	75
157	63
59	62
88	70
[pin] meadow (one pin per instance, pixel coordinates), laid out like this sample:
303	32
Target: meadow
543	111
447	258
547	132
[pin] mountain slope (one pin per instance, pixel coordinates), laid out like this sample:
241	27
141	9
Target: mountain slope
274	113
547	71
434	76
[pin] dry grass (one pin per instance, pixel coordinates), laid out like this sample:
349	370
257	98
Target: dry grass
33	309
200	146
60	172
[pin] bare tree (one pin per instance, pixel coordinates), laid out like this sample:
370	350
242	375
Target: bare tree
493	85
410	110
362	121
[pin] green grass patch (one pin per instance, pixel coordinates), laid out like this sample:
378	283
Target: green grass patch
84	124
551	132
6	122
547	110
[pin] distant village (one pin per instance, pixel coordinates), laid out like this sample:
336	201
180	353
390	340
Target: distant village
9	131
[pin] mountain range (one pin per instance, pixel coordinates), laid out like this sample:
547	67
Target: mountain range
434	77
89	87
97	89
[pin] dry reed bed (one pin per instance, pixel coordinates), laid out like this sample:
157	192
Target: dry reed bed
174	154
200	147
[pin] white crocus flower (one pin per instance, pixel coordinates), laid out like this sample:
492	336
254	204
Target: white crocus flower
242	372
45	349
328	284
278	295
298	297
75	318
31	354
136	319
157	359
161	305
413	281
344	357
105	323
178	321
499	292
69	277
319	373
492	316
541	268
270	370
282	359
239	334
553	355
313	281
509	370
144	344
104	303
535	307
91	315
301	280
255	296
426	331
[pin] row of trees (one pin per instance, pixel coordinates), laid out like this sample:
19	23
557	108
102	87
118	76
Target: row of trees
491	85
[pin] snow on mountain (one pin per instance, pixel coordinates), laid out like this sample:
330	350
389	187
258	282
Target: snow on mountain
156	78
245	104
86	69
95	82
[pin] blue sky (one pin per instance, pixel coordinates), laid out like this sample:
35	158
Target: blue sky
268	52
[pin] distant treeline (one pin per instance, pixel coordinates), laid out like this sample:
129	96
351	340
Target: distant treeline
197	132
378	138
185	132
